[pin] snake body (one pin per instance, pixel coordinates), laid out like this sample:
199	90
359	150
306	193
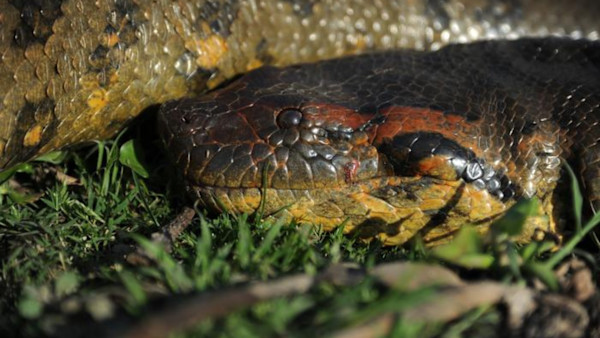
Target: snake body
77	70
398	142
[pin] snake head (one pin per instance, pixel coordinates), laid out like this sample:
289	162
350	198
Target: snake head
278	142
383	149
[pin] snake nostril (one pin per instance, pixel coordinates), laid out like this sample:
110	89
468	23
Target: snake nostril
289	118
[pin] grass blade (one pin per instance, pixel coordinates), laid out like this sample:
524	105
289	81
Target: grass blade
577	197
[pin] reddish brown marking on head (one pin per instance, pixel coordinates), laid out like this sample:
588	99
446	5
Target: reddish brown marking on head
331	113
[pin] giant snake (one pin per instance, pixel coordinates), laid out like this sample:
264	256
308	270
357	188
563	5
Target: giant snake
419	139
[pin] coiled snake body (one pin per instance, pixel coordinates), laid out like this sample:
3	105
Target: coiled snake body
389	144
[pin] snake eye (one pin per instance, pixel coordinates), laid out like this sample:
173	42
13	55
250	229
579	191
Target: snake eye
289	118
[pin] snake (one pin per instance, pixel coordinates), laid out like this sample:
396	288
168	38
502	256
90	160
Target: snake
390	118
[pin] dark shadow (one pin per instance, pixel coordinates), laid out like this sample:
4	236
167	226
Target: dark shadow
442	214
373	226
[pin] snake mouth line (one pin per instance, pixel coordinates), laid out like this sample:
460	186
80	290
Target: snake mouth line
395	208
367	182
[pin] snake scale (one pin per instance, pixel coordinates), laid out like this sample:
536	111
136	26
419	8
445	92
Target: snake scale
479	124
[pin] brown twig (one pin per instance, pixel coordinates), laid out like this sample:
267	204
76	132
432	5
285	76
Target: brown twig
406	276
165	238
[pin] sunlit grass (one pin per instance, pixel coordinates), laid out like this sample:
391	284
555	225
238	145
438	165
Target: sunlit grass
62	253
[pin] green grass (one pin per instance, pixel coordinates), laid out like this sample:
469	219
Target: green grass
62	247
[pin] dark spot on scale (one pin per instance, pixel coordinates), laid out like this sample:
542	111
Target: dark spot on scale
437	11
126	7
219	16
37	18
100	63
23	36
110	29
216	26
262	52
303	8
127	35
99	54
124	19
